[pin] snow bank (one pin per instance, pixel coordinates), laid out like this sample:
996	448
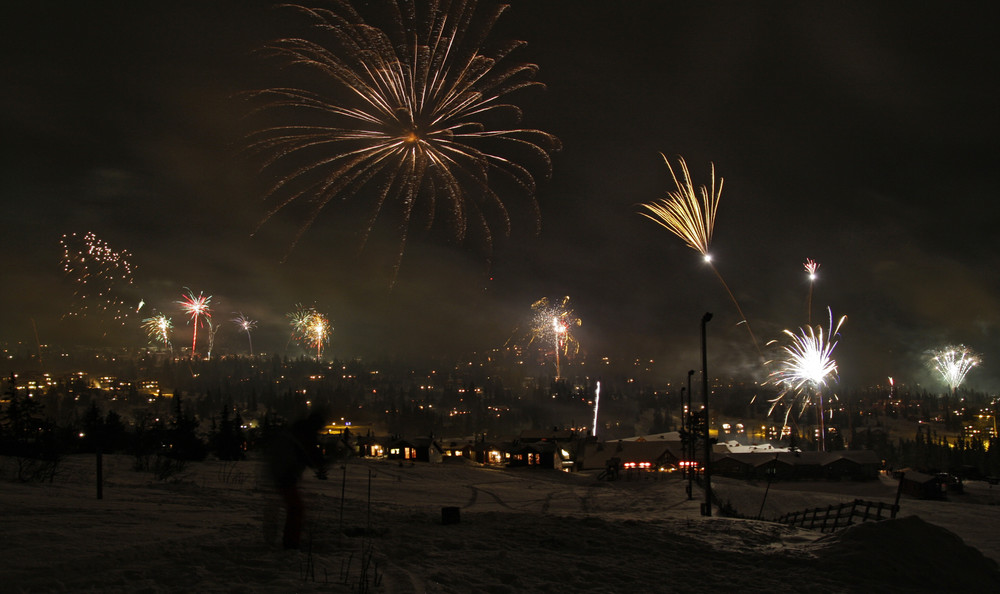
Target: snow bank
210	528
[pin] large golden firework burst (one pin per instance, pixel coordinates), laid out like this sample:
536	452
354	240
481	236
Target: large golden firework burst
409	115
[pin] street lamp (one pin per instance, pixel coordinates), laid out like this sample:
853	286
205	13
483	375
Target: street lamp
707	507
689	446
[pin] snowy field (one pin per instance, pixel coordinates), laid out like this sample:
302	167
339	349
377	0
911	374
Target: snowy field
213	527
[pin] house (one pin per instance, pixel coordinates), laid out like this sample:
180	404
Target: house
641	455
784	465
542	454
920	485
459	449
369	446
491	453
853	464
428	449
755	465
401	449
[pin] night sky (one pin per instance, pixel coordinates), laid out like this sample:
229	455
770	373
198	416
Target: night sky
862	135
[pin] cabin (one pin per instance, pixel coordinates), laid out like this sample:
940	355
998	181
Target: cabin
492	454
637	455
856	465
401	449
920	485
542	454
428	449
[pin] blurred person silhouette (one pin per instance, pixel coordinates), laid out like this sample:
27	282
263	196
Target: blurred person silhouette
295	448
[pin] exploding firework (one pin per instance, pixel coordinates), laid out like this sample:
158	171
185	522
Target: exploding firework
99	273
552	326
246	324
804	369
953	363
198	309
310	327
415	119
690	215
811	267
158	329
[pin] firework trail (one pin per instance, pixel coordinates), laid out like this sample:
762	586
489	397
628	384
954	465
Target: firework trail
805	367
811	267
597	404
246	325
197	308
415	119
553	325
690	215
98	273
158	329
310	327
953	363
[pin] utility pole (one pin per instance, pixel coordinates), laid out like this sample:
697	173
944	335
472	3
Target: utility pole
707	507
689	444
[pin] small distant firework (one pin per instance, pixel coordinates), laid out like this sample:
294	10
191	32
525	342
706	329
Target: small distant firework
99	273
553	325
417	127
246	325
198	309
805	367
158	329
310	327
690	215
953	363
811	267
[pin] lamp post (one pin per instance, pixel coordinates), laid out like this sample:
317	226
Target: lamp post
683	414
707	508
689	446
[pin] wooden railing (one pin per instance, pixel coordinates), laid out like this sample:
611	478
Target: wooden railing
835	517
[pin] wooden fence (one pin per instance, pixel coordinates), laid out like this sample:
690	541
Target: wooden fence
835	517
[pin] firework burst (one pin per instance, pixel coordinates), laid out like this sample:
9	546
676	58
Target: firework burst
805	367
414	119
954	363
245	324
552	327
690	215
310	327
199	310
99	273
158	329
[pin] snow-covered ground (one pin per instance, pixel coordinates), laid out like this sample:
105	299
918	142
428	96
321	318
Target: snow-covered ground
213	527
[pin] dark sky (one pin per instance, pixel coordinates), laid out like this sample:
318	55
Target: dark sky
862	135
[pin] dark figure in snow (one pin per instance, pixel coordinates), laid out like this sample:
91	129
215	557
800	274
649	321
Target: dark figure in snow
293	450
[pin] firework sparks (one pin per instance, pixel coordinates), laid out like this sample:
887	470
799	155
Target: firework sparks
553	325
98	273
198	309
805	368
246	324
690	215
158	329
954	363
416	123
811	267
310	327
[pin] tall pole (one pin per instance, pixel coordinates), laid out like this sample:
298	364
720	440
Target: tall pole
683	411
822	429
689	446
707	508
